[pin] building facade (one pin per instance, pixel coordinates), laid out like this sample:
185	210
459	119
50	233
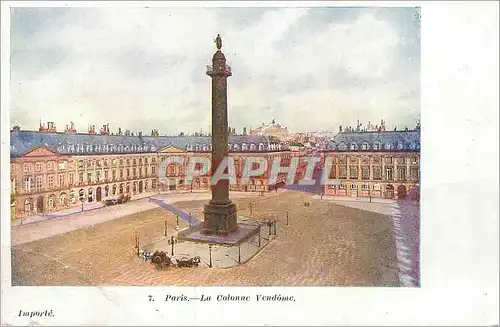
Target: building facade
374	164
51	171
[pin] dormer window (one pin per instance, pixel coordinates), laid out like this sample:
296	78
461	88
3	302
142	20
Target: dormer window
196	147
400	145
88	148
365	146
376	146
388	146
252	147
244	147
106	148
236	147
413	145
342	146
353	146
261	147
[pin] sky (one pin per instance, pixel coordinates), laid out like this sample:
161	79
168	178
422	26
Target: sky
309	69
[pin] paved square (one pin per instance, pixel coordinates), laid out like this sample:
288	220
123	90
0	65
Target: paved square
323	244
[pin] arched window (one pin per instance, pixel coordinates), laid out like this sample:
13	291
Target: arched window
236	147
376	145
244	147
353	146
261	146
253	147
365	146
197	147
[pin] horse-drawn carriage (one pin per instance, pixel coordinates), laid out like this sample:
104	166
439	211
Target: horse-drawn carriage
191	262
117	200
161	260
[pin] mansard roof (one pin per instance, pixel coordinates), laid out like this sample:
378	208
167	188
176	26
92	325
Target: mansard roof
88	144
376	141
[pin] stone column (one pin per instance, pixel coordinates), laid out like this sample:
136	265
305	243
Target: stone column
220	212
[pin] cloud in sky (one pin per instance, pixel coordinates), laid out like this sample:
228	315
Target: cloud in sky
144	68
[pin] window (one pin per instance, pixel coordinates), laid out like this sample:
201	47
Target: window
89	177
342	159
244	147
365	172
62	180
140	161
28	184
134	162
106	175
353	172
365	146
146	161
414	173
26	167
153	170
377	172
134	172
342	146
146	171
353	186
99	164
39	183
388	174
153	160
50	181
400	145
39	166
153	183
98	175
343	172
401	160
376	160
388	160
121	173
128	172
353	146
62	165
81	164
341	186
376	146
121	162
402	173
365	187
252	147
71	179
80	177
414	160
388	146
113	174
353	160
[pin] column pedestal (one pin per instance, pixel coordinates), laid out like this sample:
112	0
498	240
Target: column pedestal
220	219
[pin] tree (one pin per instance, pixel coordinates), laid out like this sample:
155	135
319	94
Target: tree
181	134
244	131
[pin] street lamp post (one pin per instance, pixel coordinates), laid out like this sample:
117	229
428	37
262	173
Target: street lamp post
172	241
239	253
210	254
177	222
165	228
275	223
287	217
251	208
259	236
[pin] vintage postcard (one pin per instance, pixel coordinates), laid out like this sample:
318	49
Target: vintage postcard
242	152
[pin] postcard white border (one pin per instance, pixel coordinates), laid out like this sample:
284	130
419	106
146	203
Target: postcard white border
459	254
